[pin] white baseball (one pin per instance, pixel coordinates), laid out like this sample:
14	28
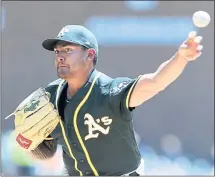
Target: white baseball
201	19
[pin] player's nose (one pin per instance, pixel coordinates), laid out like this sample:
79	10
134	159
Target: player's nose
60	58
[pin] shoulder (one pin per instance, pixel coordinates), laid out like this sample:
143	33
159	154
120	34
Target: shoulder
55	82
119	84
121	81
52	86
104	80
107	81
112	85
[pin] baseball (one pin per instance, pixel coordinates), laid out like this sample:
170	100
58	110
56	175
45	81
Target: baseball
201	19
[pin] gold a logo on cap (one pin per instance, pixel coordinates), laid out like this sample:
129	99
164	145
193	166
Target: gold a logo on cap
63	32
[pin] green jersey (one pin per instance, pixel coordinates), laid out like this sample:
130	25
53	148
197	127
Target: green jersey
96	129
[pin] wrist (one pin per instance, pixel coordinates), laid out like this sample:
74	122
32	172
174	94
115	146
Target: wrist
180	57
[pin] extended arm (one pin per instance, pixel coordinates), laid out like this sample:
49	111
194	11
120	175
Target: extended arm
151	84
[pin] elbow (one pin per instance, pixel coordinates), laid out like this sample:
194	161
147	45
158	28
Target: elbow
150	83
160	87
157	84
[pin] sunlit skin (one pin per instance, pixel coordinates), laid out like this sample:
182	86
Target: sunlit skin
74	64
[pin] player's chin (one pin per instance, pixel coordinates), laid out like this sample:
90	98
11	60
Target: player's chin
62	74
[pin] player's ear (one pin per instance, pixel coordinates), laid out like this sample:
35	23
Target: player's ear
91	54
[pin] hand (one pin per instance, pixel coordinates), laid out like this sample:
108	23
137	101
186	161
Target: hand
191	48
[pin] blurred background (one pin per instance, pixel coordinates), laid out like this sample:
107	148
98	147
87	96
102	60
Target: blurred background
174	130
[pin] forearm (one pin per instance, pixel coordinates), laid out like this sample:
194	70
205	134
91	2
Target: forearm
169	71
45	150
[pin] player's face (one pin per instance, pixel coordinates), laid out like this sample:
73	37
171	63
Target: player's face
70	59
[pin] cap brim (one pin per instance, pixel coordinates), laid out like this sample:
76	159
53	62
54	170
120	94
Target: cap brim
50	43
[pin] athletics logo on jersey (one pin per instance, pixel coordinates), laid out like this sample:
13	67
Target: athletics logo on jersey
94	126
119	87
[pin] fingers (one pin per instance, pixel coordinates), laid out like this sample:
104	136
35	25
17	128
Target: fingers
198	54
192	47
199	48
194	41
198	39
192	35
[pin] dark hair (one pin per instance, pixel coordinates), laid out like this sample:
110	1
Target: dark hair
95	58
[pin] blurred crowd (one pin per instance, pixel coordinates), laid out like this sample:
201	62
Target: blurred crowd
16	162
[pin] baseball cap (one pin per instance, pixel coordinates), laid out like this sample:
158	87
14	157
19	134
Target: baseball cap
76	34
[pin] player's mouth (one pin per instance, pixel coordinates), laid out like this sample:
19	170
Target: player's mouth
62	66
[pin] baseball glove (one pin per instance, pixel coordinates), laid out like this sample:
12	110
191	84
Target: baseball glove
35	119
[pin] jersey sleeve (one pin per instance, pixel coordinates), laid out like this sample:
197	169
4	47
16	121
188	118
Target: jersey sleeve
120	93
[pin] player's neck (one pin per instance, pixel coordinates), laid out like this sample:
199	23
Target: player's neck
74	84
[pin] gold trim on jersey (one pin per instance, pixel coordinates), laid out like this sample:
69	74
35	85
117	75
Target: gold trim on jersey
76	126
49	138
130	91
63	130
